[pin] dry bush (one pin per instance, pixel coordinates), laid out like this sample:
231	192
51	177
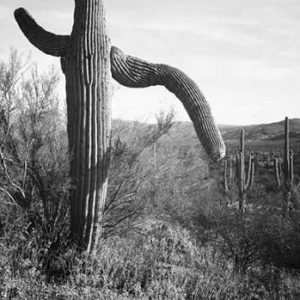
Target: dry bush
131	173
34	213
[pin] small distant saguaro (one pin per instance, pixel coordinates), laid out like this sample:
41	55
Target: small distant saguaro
88	62
244	179
285	176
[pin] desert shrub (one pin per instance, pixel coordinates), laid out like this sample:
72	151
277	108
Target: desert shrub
155	265
34	213
236	240
258	237
164	263
279	240
214	252
261	237
131	173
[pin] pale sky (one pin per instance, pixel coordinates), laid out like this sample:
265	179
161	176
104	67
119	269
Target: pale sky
244	54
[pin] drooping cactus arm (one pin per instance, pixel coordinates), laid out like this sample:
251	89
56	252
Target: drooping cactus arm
47	42
134	72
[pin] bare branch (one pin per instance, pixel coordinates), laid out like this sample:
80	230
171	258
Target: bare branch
4	166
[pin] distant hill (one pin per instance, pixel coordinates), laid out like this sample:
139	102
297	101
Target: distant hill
271	131
259	137
263	137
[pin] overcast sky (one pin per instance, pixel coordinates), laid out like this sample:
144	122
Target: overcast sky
244	54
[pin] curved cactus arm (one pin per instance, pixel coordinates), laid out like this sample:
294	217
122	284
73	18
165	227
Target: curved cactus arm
47	42
134	72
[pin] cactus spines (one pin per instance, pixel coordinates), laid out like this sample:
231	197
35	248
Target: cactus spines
88	61
284	176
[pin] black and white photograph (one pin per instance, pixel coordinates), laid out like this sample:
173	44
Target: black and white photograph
150	150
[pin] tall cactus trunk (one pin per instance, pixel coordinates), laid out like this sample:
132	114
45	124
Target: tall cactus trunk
85	59
87	69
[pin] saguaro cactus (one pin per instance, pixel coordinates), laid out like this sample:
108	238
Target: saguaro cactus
229	180
134	72
228	175
245	179
285	176
86	65
88	61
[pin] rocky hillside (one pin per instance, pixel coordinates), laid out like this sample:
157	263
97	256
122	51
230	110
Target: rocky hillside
271	131
260	137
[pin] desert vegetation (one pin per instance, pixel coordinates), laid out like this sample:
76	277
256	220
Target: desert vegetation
88	62
173	227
